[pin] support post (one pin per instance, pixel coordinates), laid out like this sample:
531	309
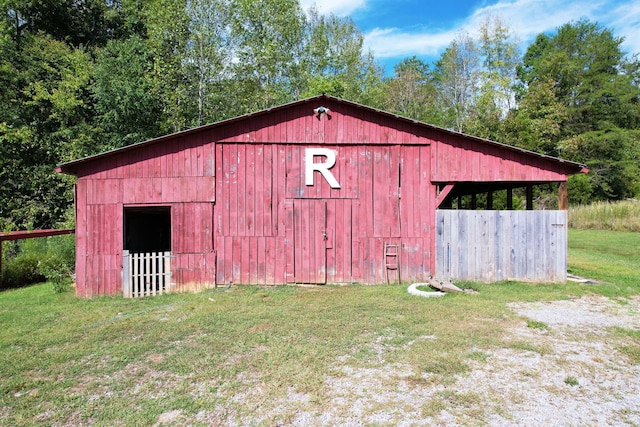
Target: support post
490	200
529	197
510	199
563	196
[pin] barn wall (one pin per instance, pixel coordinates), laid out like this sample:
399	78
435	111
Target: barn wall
270	227
99	249
180	175
194	260
237	197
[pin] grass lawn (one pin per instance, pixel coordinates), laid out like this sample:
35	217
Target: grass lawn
611	256
113	361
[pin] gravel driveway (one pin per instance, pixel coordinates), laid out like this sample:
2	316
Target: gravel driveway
573	376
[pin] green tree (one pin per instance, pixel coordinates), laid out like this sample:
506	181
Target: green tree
596	85
613	157
267	40
335	61
410	92
78	23
44	120
535	125
47	112
166	26
456	77
208	59
591	76
496	96
126	100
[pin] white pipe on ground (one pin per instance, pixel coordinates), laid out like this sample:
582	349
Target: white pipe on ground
414	291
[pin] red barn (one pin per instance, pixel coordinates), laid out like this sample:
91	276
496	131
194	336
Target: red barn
317	191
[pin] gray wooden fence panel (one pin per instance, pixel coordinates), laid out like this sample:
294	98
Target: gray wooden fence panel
490	246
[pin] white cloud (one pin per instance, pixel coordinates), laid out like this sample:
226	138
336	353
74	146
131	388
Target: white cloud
525	18
625	20
528	18
393	42
337	7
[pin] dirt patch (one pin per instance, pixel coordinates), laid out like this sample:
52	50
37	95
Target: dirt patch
168	418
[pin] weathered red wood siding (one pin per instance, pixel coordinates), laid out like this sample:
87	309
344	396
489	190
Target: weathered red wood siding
488	163
180	175
241	211
270	227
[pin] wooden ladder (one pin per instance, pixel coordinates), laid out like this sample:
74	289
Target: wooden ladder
391	260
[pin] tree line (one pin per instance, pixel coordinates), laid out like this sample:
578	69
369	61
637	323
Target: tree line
78	77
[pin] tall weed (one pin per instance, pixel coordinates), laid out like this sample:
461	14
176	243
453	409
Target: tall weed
616	216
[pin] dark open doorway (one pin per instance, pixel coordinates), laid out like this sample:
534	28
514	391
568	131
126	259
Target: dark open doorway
147	229
147	251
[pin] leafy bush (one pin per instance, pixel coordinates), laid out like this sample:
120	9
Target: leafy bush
57	272
21	270
35	260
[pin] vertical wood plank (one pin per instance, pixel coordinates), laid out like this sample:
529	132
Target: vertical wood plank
81	237
232	186
241	254
126	274
223	203
252	264
262	275
278	186
333	273
261	205
145	276
289	242
249	194
232	273
502	245
379	199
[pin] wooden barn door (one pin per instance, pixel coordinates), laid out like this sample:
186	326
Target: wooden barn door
309	241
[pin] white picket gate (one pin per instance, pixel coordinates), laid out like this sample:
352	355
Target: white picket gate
146	274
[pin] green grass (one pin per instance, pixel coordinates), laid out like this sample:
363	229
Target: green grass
572	381
630	345
609	256
534	324
527	346
115	361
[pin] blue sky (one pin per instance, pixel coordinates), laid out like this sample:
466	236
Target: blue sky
399	29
